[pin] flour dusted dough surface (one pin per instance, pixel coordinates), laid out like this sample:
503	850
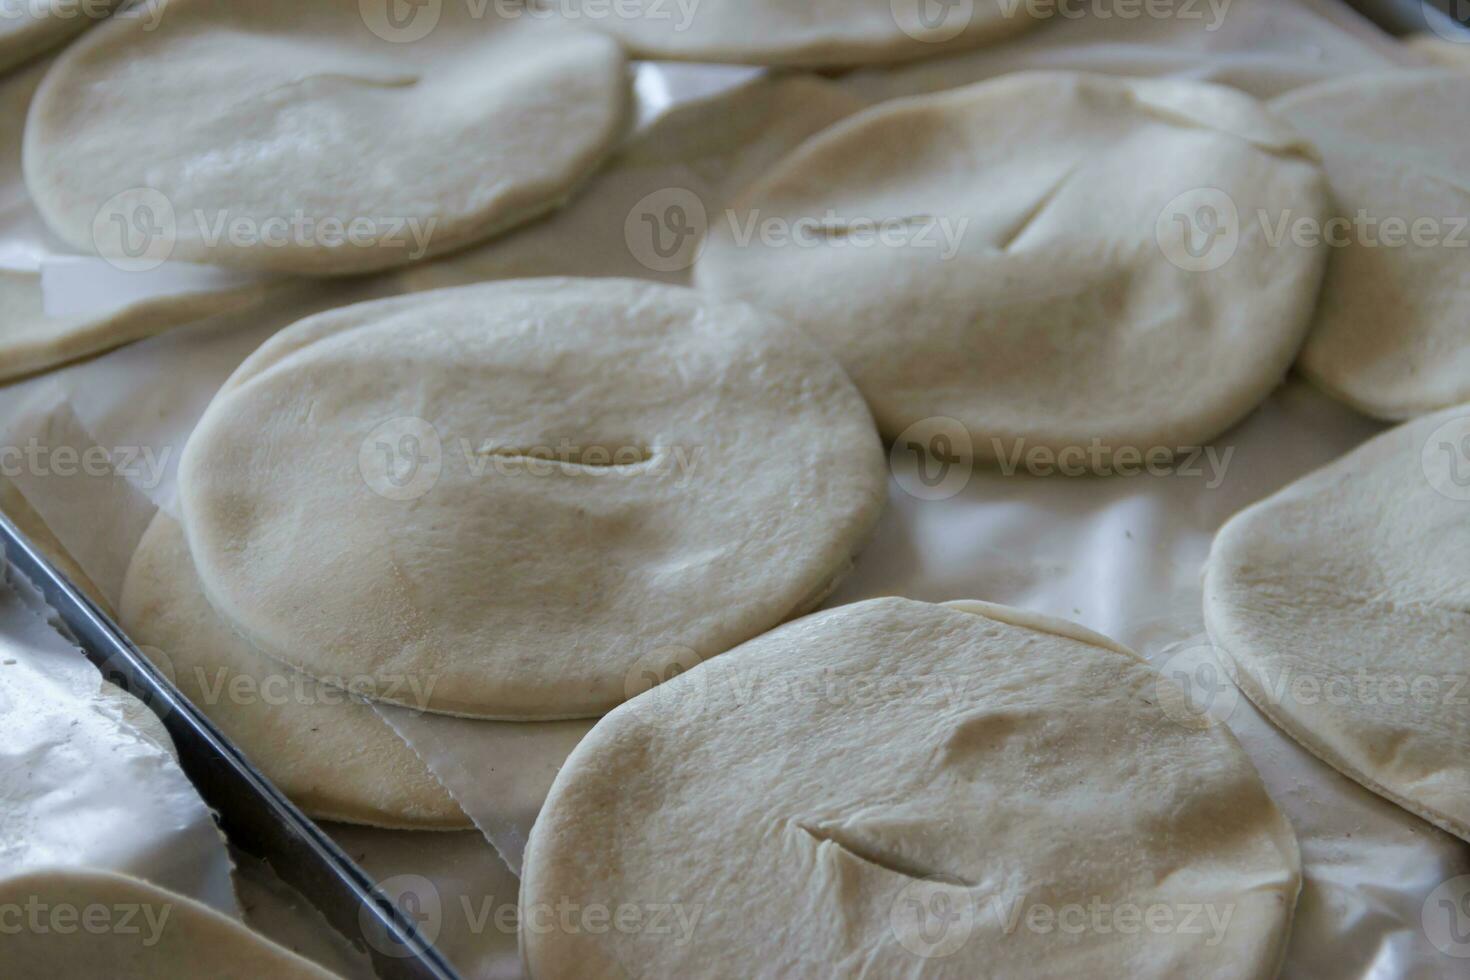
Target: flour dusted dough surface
153	934
1392	336
800	33
331	754
1341	601
1030	296
811	827
282	110
746	474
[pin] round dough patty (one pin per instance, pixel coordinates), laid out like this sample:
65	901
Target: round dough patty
799	33
1010	255
99	924
1392	336
300	141
1341	603
522	496
878	790
330	753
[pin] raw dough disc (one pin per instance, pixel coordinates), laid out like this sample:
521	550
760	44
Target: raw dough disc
875	790
1443	52
800	33
291	123
1392	336
332	755
1341	601
31	341
1005	255
31	27
148	934
370	493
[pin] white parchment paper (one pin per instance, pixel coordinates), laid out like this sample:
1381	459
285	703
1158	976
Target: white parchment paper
1120	555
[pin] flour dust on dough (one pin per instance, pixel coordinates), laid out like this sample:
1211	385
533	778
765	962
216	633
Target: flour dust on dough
308	138
1340	603
1048	258
901	789
518	500
326	750
1392	336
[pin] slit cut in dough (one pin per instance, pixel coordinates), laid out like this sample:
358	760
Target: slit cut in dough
895	789
1049	258
350	508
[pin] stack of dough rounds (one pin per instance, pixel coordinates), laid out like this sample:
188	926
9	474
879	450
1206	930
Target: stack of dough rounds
1016	255
524	497
31	27
330	753
1392	336
302	136
1341	602
799	33
899	789
147	933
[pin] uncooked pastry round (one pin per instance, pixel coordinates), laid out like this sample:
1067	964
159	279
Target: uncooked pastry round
1341	601
330	753
301	141
1392	336
878	789
798	33
523	496
1012	255
32	27
99	924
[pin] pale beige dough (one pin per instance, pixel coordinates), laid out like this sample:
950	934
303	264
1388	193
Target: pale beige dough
145	933
798	33
875	790
300	141
1341	601
1443	52
330	753
1392	336
712	473
1029	279
32	27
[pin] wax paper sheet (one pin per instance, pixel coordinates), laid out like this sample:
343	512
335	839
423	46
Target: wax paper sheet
1122	555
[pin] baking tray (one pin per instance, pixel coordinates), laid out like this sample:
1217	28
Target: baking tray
255	816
